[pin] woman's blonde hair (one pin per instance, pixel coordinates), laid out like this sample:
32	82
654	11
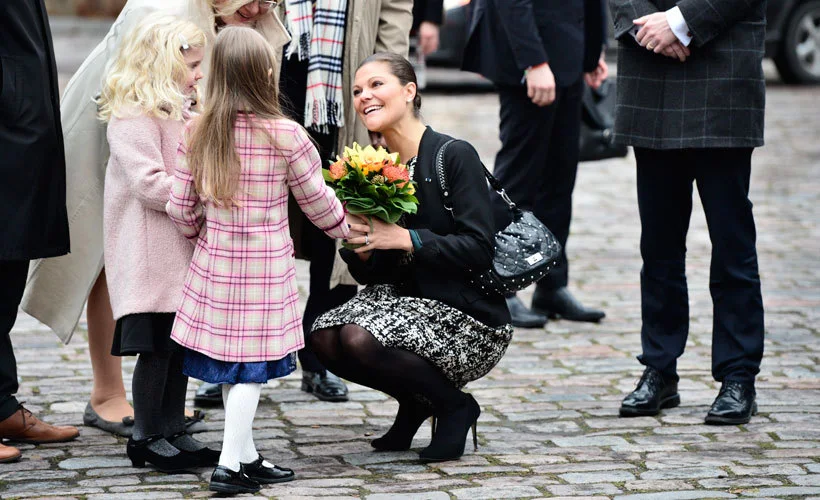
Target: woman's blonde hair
149	69
205	13
243	79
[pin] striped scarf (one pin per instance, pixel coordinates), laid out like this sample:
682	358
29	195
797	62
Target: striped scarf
318	31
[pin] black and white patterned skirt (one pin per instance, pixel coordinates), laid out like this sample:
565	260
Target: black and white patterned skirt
463	348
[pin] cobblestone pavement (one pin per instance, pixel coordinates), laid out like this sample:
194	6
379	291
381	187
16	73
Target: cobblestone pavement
549	426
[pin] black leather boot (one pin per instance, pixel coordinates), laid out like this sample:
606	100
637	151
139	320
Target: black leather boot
451	432
651	395
523	317
559	303
409	418
224	480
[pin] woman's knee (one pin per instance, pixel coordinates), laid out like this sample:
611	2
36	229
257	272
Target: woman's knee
322	341
357	342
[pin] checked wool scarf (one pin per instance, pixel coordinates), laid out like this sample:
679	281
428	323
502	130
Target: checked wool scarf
318	31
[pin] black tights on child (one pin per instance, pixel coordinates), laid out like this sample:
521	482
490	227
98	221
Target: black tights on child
355	354
159	388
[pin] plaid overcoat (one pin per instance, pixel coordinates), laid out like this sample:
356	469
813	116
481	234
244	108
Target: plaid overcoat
240	300
715	99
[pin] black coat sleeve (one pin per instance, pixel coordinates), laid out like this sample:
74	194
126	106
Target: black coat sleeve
383	266
625	11
518	20
594	32
428	10
470	246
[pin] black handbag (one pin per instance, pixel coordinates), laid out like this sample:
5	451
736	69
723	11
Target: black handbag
597	122
525	250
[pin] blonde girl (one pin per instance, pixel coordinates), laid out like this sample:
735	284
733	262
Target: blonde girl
239	319
146	96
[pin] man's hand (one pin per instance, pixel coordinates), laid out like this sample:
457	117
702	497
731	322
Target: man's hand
596	77
655	33
677	51
541	85
428	37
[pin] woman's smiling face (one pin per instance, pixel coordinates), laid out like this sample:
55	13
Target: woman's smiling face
379	97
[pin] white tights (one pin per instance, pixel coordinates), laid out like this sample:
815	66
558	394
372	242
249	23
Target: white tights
240	402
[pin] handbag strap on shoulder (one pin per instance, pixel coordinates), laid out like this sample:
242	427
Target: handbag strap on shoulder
441	173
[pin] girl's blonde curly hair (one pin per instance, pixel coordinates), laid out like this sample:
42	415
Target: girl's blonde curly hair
150	68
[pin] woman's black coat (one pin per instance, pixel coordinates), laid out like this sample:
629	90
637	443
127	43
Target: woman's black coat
452	250
33	220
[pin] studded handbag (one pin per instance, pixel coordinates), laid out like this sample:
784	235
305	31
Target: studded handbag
525	250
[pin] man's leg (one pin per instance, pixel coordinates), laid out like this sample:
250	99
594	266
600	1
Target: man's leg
13	277
553	206
737	332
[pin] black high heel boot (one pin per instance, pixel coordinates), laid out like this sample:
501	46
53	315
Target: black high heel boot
205	455
409	418
139	453
451	432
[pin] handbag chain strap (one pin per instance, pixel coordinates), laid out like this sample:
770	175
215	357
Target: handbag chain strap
441	173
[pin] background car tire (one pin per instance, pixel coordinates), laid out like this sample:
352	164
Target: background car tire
792	67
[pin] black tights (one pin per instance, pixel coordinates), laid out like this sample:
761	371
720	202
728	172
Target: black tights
159	388
355	354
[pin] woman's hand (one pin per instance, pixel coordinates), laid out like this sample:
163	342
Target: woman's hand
379	235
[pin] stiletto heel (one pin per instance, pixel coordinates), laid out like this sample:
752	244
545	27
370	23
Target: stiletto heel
433	426
451	432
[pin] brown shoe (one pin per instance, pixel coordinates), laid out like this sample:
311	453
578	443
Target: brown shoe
24	427
8	454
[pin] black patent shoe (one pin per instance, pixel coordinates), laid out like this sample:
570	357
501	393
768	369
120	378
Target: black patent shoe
325	386
560	303
451	430
523	317
205	456
208	394
652	394
228	482
409	418
734	405
140	454
257	471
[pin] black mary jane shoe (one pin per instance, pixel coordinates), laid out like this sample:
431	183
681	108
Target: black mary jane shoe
409	418
257	471
228	482
140	454
325	386
734	405
451	432
205	456
652	394
523	317
560	304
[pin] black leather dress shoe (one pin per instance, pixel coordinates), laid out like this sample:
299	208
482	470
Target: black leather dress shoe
652	394
325	386
559	303
734	405
224	480
523	317
267	475
208	395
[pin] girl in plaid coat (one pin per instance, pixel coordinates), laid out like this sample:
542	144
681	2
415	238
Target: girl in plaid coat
145	100
239	318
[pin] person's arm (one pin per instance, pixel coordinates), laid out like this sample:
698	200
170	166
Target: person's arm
395	21
315	198
185	207
136	153
470	246
626	11
518	21
706	19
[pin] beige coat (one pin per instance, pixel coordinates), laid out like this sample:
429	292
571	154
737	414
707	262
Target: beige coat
57	288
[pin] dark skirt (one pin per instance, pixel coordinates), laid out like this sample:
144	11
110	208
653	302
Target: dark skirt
202	367
144	333
462	347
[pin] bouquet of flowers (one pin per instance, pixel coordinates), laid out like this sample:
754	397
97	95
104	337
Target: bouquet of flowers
372	182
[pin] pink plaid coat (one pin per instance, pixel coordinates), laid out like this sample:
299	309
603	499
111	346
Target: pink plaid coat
240	301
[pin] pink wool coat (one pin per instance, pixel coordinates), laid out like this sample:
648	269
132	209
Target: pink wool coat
240	300
146	259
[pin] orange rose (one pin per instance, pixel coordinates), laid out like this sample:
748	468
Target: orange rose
395	173
338	169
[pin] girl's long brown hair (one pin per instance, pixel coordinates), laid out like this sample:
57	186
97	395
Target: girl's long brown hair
243	79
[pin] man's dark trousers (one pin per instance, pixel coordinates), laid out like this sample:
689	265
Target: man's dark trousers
13	281
665	179
538	161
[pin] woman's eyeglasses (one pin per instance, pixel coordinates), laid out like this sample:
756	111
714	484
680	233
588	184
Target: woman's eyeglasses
267	4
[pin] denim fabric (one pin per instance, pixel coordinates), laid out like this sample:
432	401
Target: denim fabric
200	366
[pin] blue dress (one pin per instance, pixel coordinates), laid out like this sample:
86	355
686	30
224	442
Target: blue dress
202	367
